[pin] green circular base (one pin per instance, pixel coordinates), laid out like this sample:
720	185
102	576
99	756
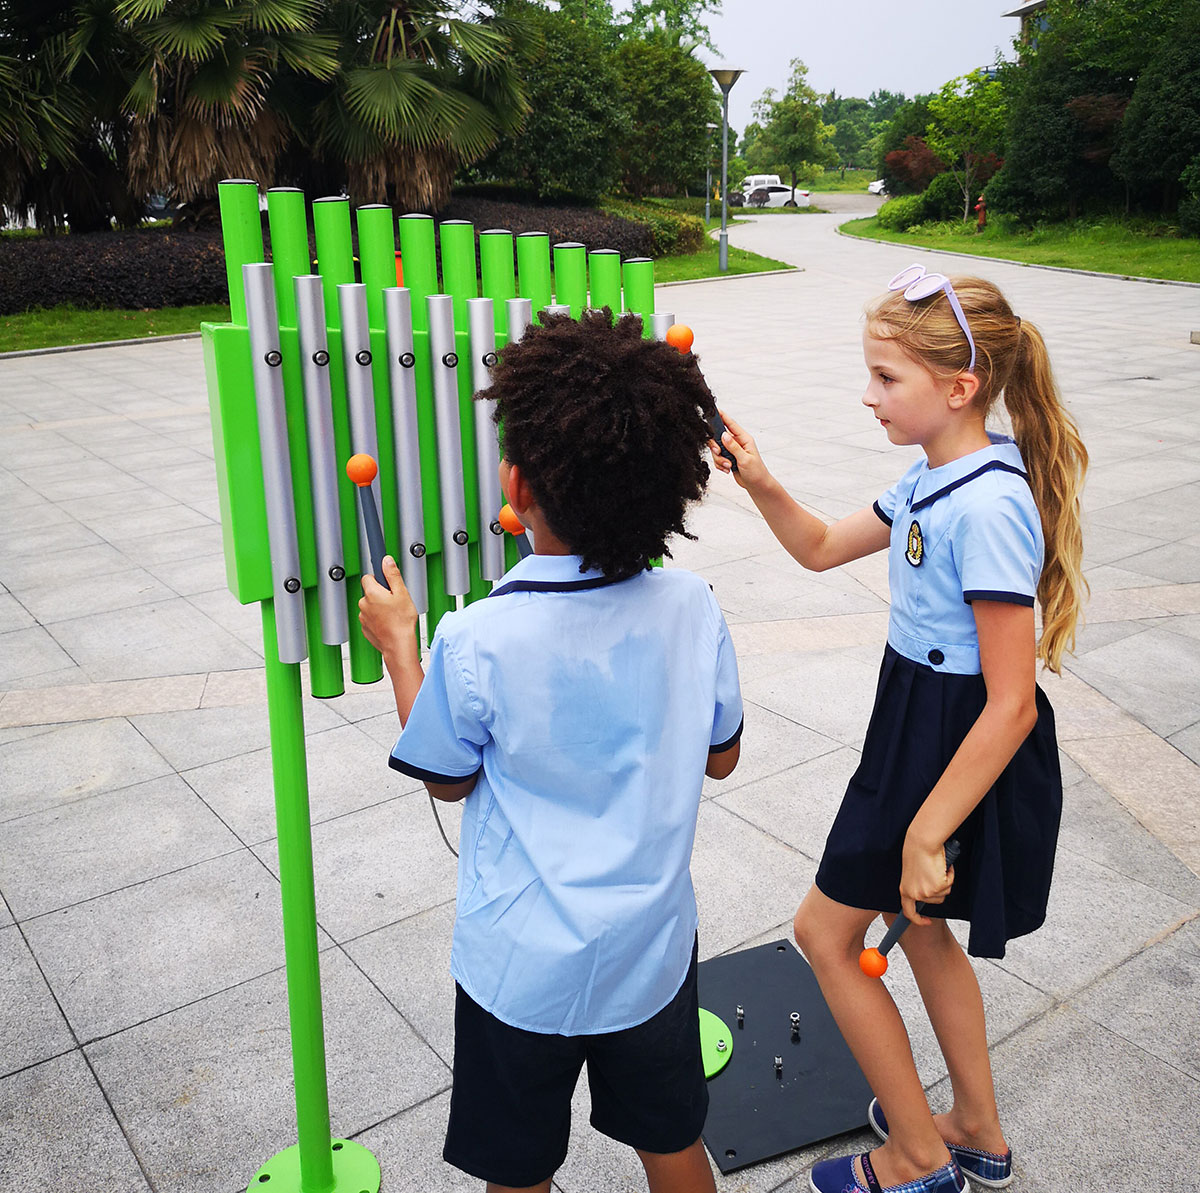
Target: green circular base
716	1043
355	1170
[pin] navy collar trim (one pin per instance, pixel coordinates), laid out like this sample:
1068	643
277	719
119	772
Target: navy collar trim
990	466
553	585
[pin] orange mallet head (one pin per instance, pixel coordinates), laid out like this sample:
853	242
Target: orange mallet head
873	963
510	521
361	469
680	336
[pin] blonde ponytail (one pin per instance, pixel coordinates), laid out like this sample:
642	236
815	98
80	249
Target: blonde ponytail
1057	462
1011	360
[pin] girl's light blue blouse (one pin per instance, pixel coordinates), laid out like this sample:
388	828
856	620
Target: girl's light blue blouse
588	711
966	531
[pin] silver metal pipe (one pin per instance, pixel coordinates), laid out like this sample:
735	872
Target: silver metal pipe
322	458
481	321
443	356
558	308
360	394
286	585
402	378
660	324
520	316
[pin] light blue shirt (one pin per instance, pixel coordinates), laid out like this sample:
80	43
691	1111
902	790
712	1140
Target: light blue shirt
588	710
966	531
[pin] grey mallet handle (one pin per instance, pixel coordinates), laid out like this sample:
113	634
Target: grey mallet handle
718	429
952	850
374	531
524	546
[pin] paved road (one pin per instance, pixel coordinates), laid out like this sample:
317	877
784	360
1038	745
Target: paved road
142	1019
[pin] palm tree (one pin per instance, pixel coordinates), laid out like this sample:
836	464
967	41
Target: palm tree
419	92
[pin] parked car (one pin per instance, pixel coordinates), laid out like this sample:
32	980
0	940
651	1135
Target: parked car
777	195
877	187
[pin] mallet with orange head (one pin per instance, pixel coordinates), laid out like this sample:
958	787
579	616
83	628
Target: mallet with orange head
874	962
680	336
362	470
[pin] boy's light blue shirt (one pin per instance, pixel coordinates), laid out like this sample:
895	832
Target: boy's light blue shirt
966	531
588	710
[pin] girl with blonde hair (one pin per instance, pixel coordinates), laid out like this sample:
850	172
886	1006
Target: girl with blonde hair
961	741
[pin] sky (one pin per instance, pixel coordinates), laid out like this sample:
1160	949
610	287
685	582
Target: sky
856	46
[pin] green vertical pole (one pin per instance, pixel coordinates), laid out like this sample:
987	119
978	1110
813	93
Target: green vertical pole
419	253
639	290
570	276
533	267
335	261
605	268
290	258
293	826
459	277
241	227
498	275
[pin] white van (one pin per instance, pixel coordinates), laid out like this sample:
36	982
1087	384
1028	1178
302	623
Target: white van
755	182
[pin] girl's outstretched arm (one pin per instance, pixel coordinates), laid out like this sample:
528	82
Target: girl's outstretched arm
1007	659
815	544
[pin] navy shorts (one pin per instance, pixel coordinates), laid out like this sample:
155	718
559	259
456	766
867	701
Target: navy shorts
510	1109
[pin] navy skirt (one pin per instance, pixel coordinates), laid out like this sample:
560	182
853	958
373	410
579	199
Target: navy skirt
1002	878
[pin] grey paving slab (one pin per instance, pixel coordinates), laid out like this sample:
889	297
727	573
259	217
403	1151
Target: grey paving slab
379	865
56	858
48	770
32	1028
1100	1113
347	771
13	615
27	653
60	1134
51	602
167	637
205	1092
148	949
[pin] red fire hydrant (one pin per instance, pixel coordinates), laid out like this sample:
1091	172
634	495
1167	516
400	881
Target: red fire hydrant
981	208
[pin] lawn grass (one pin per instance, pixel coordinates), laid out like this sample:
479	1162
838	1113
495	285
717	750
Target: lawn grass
1127	248
56	327
832	182
691	267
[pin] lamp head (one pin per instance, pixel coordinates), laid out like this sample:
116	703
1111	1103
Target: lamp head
726	76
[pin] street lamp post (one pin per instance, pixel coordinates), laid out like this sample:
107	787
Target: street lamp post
708	176
725	77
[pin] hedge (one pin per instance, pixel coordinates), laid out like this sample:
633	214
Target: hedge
160	267
672	231
902	213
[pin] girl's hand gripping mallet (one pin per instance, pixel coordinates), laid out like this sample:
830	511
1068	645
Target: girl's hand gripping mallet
362	470
509	520
873	962
680	336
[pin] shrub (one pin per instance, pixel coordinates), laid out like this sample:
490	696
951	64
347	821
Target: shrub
943	198
902	213
671	232
137	270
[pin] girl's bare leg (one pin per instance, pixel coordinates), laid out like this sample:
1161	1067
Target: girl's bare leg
831	937
687	1171
950	991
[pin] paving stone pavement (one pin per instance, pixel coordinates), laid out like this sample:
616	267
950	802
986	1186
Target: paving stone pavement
143	1039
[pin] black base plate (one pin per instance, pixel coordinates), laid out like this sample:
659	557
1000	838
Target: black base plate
753	1114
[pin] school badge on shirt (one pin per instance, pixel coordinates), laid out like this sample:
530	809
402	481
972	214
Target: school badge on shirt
915	551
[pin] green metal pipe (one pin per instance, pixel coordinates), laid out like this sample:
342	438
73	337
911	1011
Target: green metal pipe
289	247
605	268
533	268
376	257
498	275
241	229
638	277
570	276
419	254
335	256
459	277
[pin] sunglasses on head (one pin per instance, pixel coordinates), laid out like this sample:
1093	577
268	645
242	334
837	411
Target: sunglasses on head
917	284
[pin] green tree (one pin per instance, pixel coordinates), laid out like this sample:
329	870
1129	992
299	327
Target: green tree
687	18
853	126
1161	131
793	138
570	142
909	119
966	126
670	100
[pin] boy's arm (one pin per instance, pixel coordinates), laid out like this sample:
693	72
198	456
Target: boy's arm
720	766
389	621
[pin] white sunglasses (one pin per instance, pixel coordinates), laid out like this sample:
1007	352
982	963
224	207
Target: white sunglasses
917	284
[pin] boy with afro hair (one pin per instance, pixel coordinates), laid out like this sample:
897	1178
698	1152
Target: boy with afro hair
576	711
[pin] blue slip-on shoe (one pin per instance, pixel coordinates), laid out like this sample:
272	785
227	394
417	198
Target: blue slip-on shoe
987	1168
838	1176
